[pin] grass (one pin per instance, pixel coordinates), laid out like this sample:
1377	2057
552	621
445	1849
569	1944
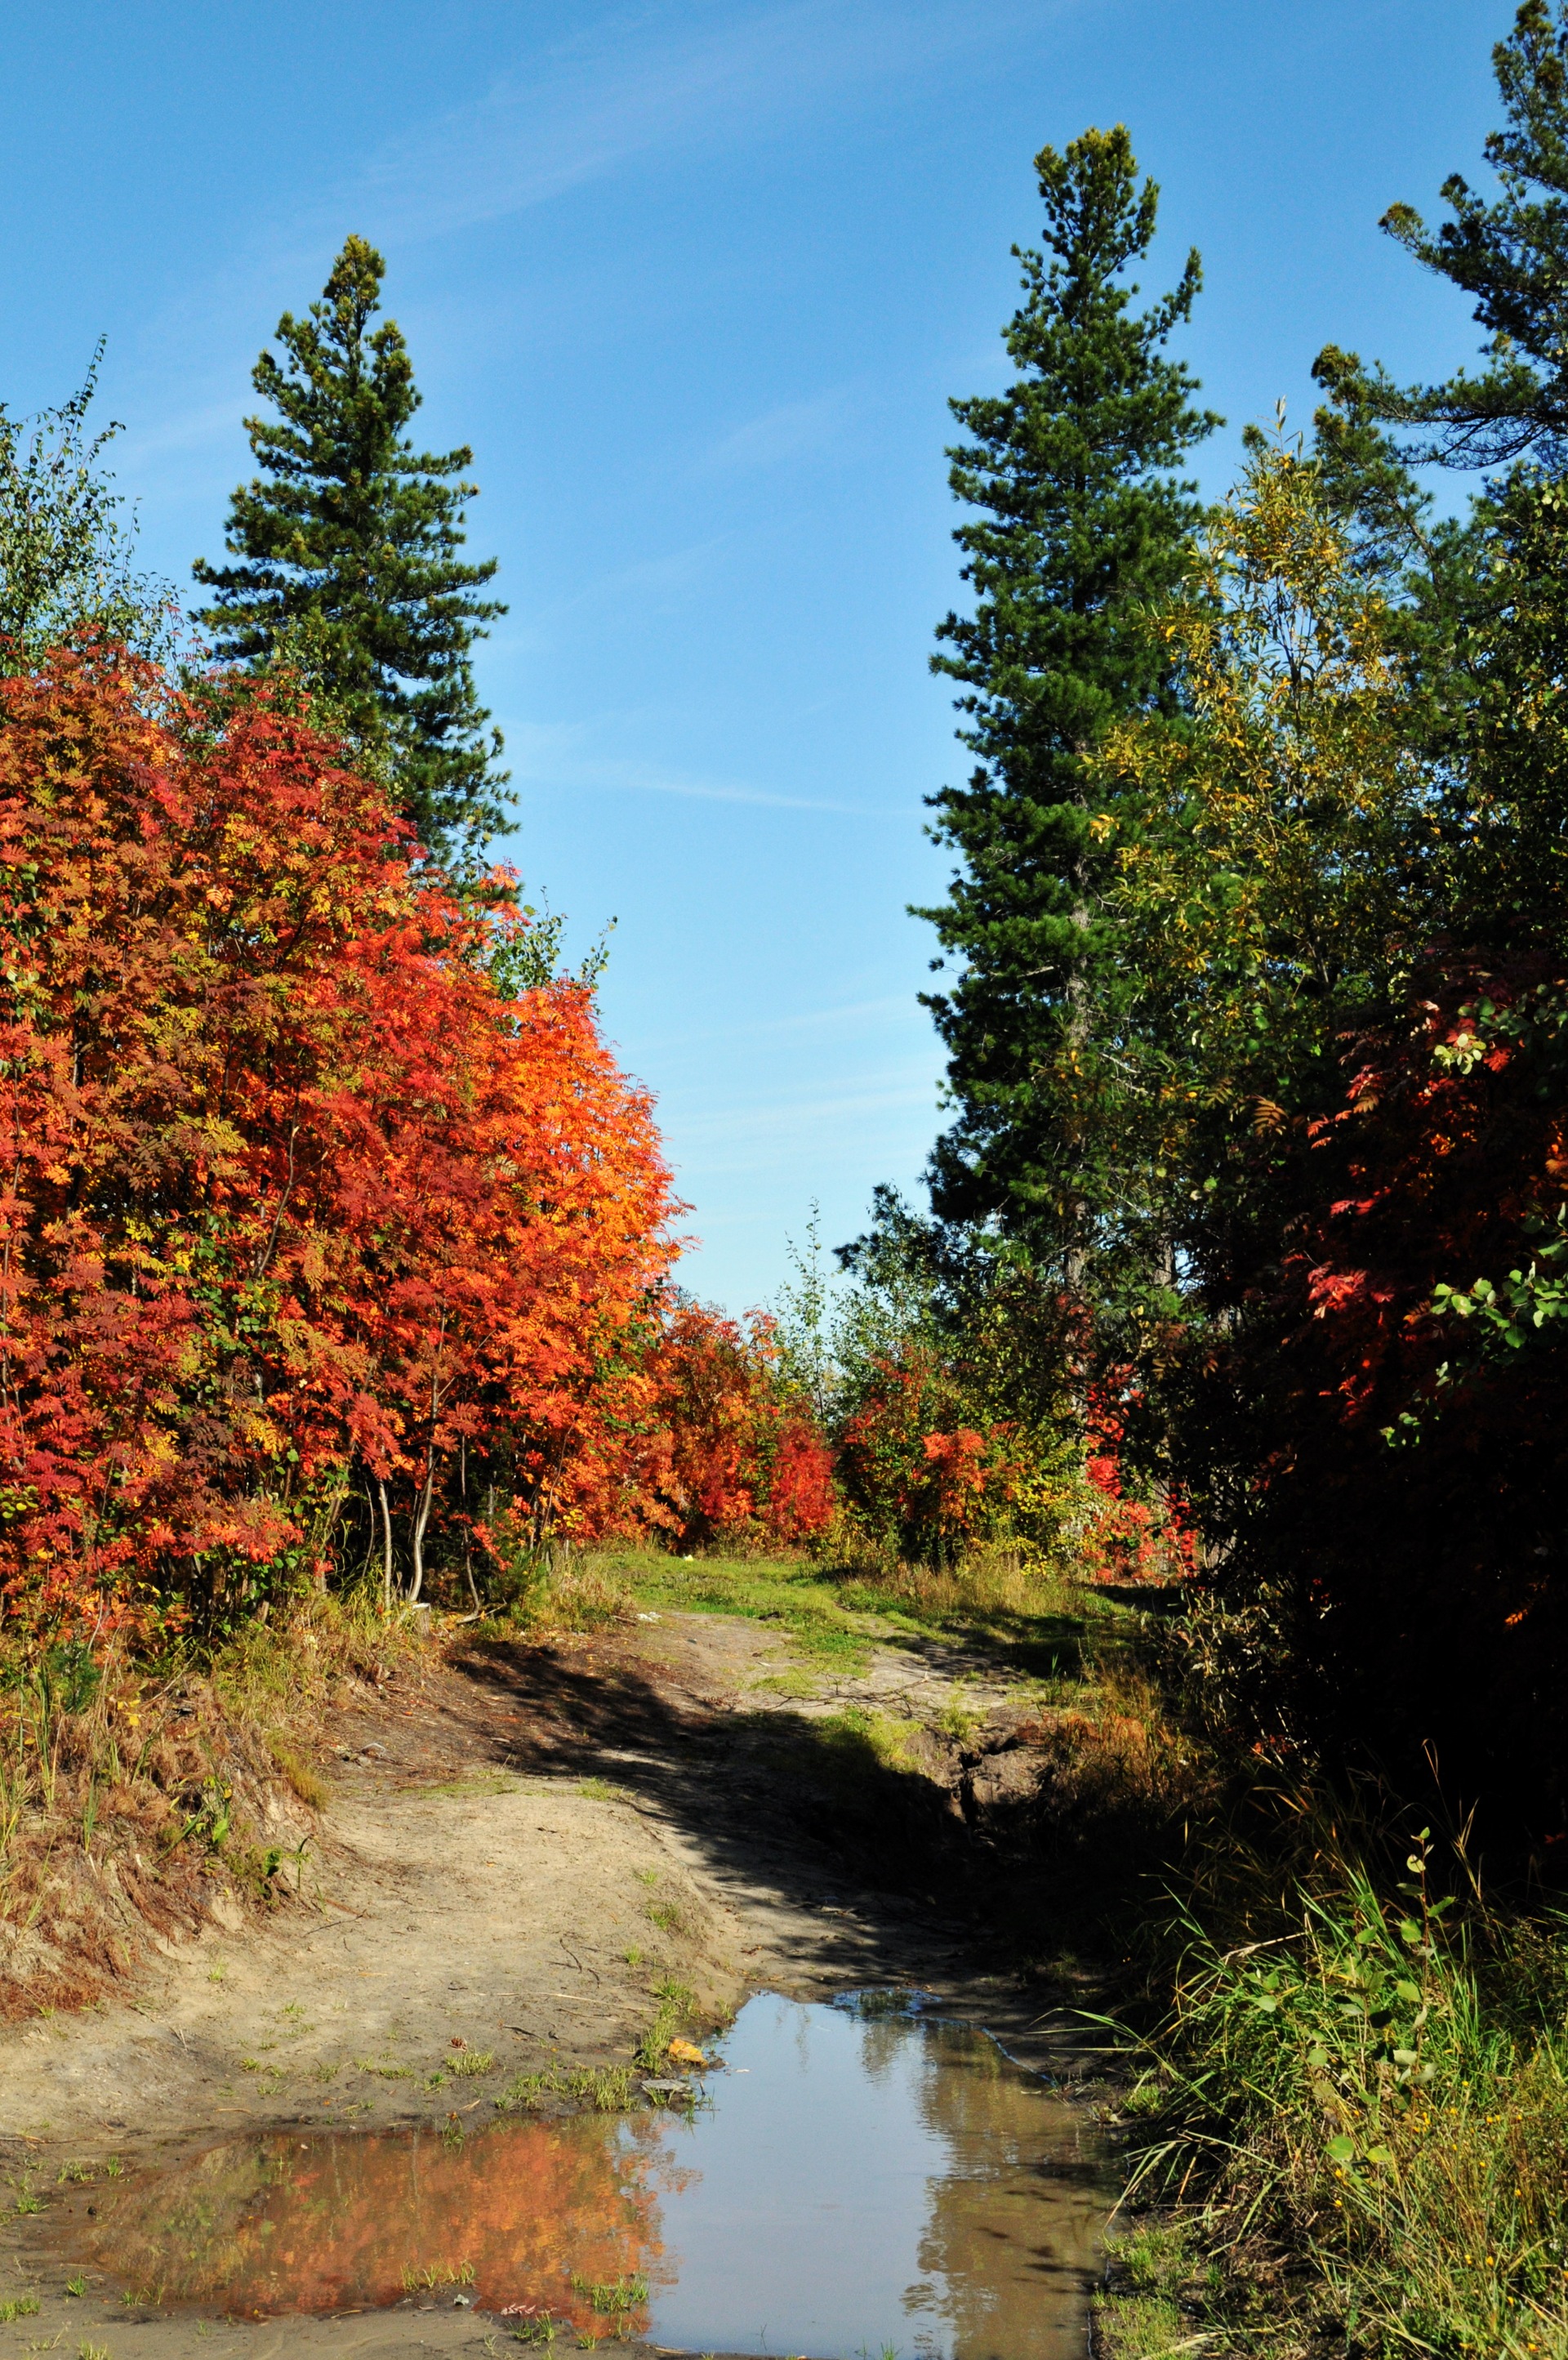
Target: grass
674	2009
602	2089
428	2275
468	2062
1029	1618
170	1766
19	2306
611	2299
1361	2116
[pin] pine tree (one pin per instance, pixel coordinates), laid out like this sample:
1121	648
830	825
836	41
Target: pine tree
347	565
1083	527
1510	254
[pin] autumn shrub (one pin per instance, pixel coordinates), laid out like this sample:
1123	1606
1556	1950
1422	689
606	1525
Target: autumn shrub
1392	1575
926	1471
302	1212
733	1448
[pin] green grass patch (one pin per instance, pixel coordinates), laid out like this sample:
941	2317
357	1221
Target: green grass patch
1040	1625
1367	2098
602	2089
794	1595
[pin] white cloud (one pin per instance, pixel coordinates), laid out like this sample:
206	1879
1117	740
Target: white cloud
549	757
788	432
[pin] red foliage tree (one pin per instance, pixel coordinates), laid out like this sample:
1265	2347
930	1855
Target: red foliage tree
921	1476
1395	1384
734	1449
293	1198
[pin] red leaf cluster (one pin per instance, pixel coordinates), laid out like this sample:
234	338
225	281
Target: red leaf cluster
292	1196
735	1450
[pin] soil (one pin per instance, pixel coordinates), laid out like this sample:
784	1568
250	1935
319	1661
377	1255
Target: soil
521	1841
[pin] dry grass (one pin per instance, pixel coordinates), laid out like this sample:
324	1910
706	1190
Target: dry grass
140	1797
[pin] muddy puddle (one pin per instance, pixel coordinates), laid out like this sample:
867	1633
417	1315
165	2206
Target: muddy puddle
860	2180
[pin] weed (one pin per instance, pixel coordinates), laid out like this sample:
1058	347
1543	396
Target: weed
1368	2095
468	2062
425	2278
632	1957
611	2299
960	1721
675	2005
75	2172
18	2306
25	2201
114	2168
607	2088
92	2352
76	2285
801	1687
536	2331
667	1915
308	1784
599	1790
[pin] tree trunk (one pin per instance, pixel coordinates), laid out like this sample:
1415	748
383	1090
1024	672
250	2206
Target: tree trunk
421	1522
386	1550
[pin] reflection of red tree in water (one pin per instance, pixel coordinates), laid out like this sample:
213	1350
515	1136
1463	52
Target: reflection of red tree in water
333	2222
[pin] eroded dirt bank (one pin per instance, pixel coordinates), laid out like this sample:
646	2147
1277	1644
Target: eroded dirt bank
523	1848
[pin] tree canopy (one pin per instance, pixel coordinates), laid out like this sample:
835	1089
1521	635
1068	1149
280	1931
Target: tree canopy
346	561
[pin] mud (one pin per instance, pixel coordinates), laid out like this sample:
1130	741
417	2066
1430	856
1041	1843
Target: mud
520	1846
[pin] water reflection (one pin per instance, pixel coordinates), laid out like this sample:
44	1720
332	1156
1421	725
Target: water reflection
535	2214
860	2181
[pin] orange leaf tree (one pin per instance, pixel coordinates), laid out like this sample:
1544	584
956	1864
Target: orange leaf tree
301	1216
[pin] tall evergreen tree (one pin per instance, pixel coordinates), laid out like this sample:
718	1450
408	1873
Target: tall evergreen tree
347	566
1510	254
1083	528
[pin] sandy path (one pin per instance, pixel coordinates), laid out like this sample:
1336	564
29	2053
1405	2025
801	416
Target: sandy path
517	1847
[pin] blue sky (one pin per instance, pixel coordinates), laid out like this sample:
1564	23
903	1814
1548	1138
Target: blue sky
695	278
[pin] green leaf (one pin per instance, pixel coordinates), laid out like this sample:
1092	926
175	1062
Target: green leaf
1341	2150
1408	1990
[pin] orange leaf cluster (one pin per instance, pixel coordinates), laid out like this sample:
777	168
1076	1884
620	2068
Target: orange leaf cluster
735	1450
292	1197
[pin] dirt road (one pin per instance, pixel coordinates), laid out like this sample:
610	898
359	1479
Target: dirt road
522	1846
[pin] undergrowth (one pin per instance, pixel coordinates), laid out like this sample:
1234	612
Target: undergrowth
1028	1615
160	1781
1352	2127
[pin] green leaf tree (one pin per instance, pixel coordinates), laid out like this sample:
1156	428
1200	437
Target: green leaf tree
1082	526
346	561
66	551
